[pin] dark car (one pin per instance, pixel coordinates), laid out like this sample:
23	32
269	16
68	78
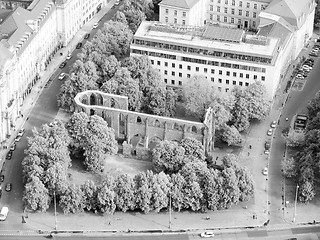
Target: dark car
87	36
267	145
9	155
62	65
1	178
79	45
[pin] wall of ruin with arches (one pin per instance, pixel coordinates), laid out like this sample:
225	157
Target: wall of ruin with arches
139	129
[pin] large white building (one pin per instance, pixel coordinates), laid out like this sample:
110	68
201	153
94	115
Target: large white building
228	55
28	39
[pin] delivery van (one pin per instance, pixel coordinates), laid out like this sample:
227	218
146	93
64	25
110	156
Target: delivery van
4	213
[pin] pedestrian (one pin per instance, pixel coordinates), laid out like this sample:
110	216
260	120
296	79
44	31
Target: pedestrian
250	146
248	153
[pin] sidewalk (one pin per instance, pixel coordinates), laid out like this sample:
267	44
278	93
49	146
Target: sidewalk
30	100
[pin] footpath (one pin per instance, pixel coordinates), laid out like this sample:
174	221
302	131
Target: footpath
253	214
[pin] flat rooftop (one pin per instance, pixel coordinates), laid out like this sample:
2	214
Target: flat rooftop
229	40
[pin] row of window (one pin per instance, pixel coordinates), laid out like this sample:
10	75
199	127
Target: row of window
231	20
175	13
228	82
175	21
199	61
240	4
247	13
198	51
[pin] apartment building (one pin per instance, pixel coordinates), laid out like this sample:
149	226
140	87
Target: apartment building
29	36
13	4
226	55
183	12
237	13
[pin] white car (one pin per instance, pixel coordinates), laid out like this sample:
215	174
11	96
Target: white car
273	124
306	66
69	56
17	139
299	76
117	2
61	76
207	234
21	132
96	25
269	133
265	171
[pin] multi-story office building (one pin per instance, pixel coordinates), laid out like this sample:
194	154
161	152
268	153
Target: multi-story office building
28	39
228	56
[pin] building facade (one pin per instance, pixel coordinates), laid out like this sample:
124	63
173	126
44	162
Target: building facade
29	37
13	4
229	55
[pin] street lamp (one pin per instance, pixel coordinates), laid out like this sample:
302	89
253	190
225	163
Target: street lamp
55	210
170	210
295	204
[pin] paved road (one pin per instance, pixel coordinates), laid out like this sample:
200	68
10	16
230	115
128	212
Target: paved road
297	103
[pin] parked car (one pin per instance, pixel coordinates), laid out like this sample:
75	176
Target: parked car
17	139
303	73
207	234
4	213
69	56
62	65
273	124
307	66
96	25
269	133
265	171
87	36
117	2
1	178
9	155
299	76
312	54
62	76
267	145
12	147
305	69
8	187
79	45
21	131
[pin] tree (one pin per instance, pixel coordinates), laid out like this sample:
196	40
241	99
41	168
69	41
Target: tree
122	84
211	188
72	200
314	106
113	38
83	77
168	157
105	199
89	190
307	191
124	192
295	139
198	96
288	165
314	123
231	193
194	170
178	183
230	135
31	167
193	147
192	194
171	99
36	196
245	183
109	67
143	191
240	112
160	185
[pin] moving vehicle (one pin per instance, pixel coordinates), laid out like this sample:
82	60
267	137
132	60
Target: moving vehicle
62	76
4	213
87	36
79	45
207	234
